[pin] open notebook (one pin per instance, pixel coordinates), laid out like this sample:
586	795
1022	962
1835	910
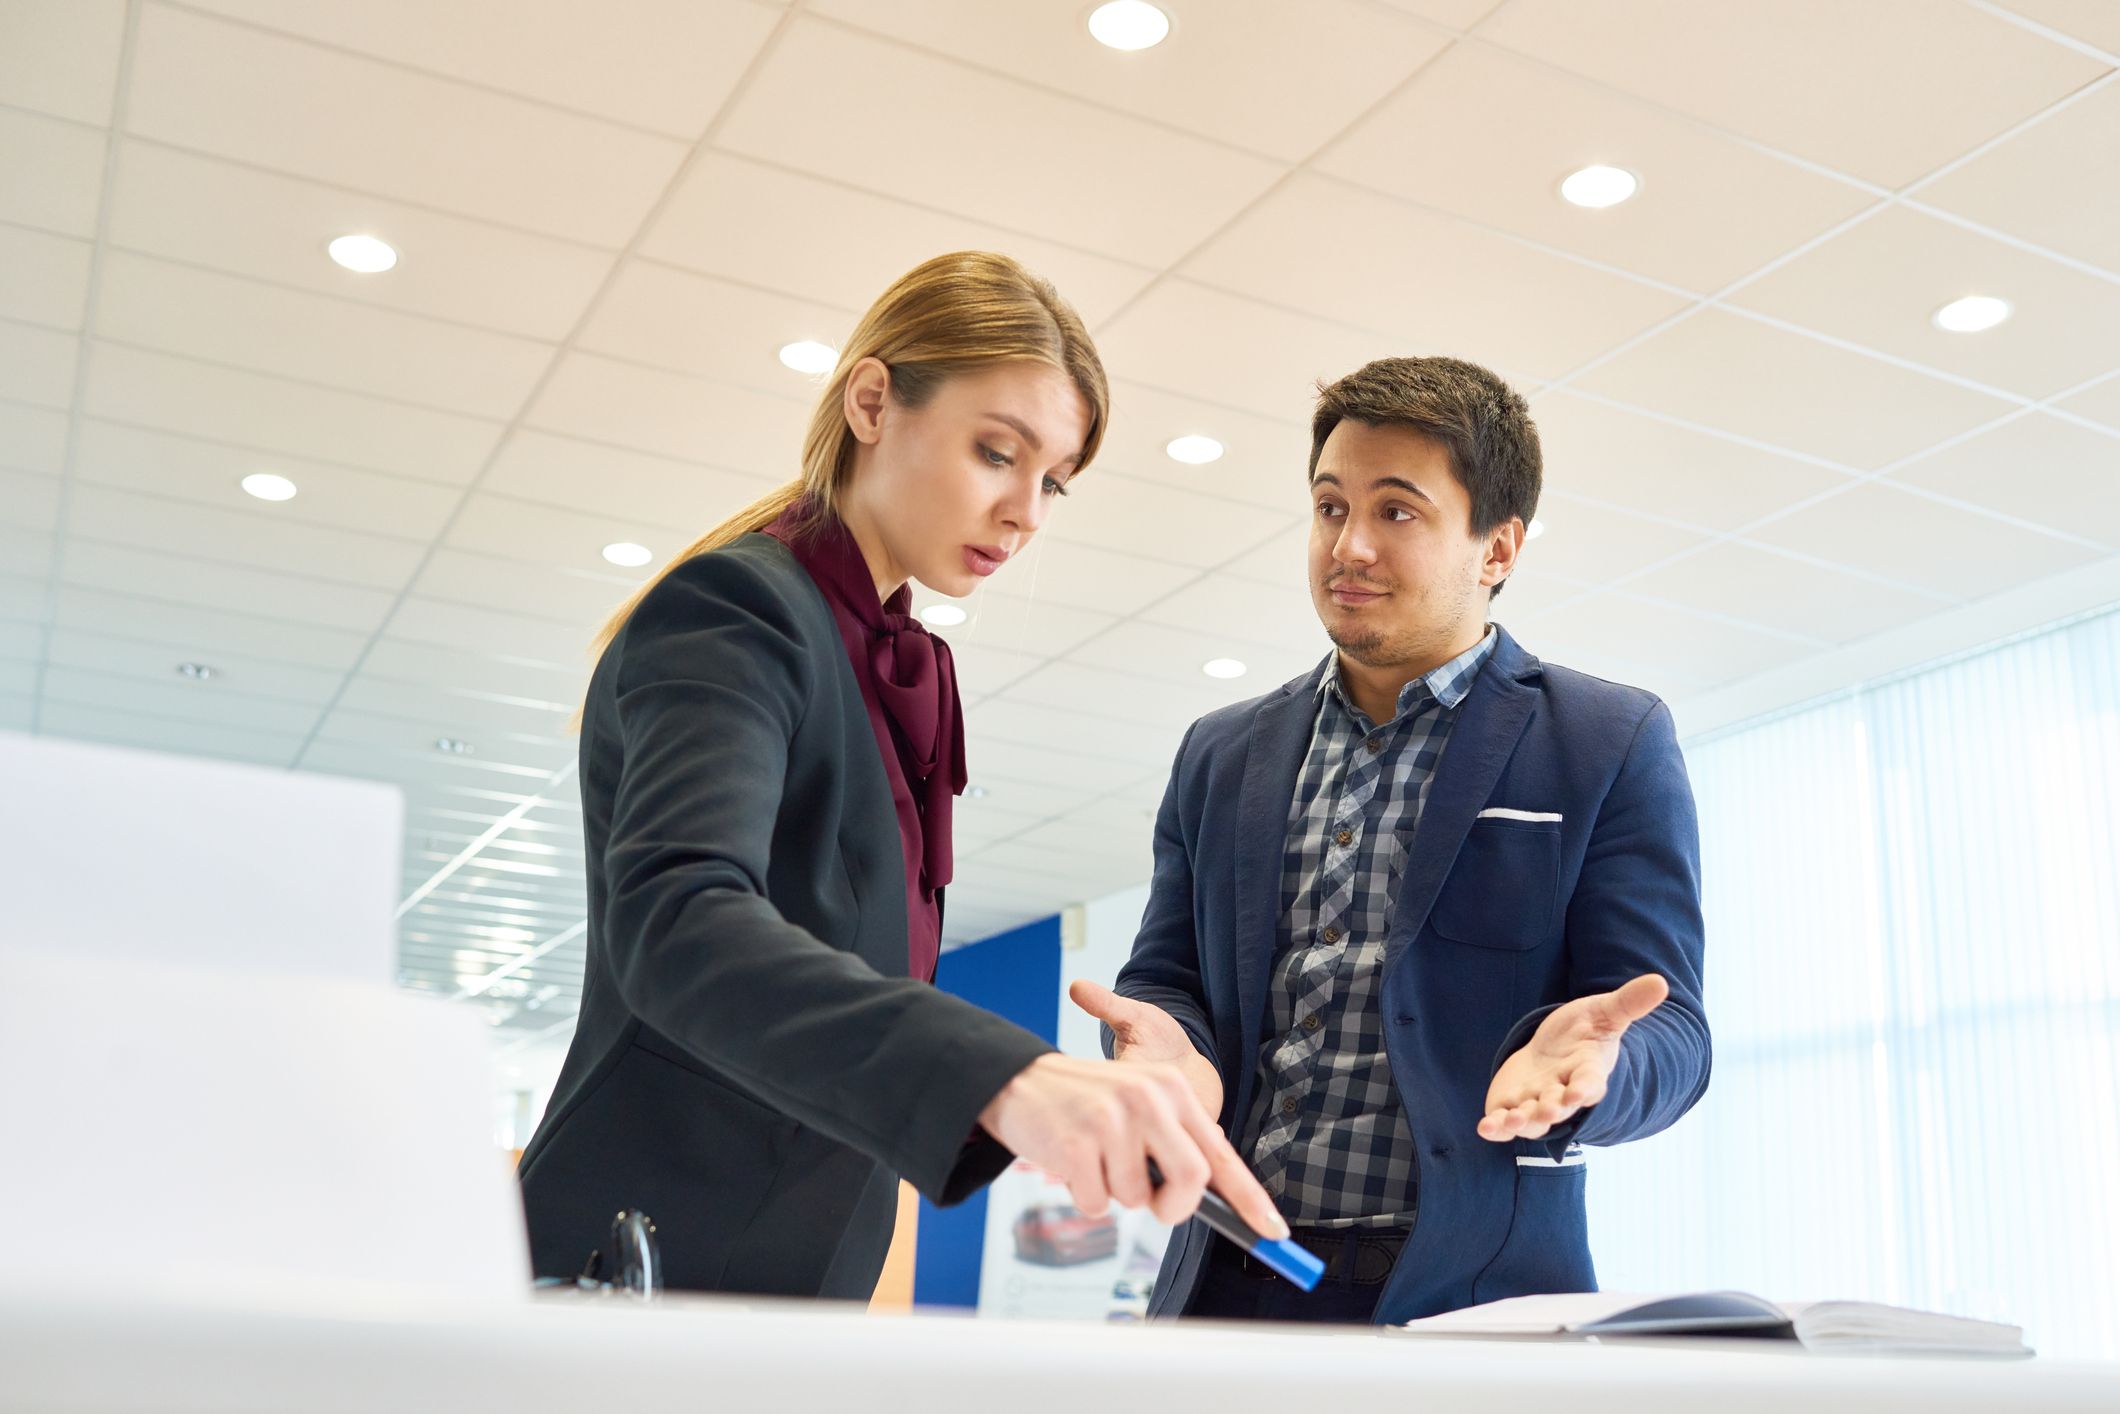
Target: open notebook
1852	1326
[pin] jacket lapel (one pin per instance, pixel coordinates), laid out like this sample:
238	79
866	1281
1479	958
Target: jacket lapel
1490	720
1280	736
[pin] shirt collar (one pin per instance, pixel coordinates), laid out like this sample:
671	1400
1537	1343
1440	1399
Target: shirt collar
1447	685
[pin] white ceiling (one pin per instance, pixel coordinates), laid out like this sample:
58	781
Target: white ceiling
1769	475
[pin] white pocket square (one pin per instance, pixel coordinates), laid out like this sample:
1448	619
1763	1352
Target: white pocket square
1497	813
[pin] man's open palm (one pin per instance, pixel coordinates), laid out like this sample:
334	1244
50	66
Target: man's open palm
1563	1068
1144	1032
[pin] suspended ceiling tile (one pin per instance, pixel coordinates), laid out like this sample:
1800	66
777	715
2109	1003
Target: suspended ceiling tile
833	242
37	365
660	64
51	173
1425	284
275	228
1940	548
43	278
1324	63
2052	184
1879	285
1488	135
1793	595
2036	468
1859	412
1596	452
331	116
221	319
238	537
210	473
61	57
274	414
1158	191
671	415
1865	109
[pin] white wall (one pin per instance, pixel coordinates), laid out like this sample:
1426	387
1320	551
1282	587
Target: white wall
1095	940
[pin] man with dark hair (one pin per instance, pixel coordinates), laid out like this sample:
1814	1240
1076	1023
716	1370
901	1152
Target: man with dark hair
1426	921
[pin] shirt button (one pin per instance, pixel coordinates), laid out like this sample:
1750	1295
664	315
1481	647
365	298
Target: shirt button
1375	743
1310	1022
1332	935
1344	837
1288	1107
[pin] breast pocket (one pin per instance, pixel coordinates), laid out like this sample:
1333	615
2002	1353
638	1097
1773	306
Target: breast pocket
1503	890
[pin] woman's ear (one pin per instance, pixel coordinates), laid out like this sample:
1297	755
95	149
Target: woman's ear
867	391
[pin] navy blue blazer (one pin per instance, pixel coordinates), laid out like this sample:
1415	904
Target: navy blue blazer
1498	920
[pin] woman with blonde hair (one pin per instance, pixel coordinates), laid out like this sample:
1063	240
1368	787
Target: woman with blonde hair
770	749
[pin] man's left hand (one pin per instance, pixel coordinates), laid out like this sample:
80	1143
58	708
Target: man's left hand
1563	1068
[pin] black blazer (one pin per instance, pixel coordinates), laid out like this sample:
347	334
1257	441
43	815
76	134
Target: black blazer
752	1066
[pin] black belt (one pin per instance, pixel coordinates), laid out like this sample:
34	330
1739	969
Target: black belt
1368	1254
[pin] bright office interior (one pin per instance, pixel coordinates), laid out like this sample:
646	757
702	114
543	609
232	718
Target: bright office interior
356	359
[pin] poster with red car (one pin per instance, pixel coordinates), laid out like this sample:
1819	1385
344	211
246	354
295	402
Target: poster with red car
1047	1259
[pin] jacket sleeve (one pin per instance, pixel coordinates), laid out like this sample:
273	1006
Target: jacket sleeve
1636	909
1164	969
713	680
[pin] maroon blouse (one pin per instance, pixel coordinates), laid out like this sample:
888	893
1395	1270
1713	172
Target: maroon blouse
909	684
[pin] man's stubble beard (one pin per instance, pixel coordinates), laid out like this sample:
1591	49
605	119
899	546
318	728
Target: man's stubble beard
1364	647
1382	647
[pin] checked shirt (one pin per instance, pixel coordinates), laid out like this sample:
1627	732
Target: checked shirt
1327	1134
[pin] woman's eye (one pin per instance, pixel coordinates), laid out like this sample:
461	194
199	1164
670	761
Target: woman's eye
1055	488
994	458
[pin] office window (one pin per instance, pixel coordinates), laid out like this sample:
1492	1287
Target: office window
1913	974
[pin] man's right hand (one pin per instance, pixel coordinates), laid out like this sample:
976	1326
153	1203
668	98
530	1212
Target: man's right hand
1143	1032
1096	1124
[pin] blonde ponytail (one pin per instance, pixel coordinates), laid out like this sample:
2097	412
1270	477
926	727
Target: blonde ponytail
756	516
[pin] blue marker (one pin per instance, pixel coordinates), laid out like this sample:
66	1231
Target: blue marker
1281	1255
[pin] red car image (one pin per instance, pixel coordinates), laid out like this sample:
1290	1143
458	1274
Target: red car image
1061	1235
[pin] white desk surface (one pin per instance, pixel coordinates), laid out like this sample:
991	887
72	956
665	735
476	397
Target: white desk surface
377	1351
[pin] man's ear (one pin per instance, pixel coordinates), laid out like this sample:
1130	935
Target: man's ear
1504	544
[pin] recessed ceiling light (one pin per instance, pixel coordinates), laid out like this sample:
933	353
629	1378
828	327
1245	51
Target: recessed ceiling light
1535	529
976	793
197	672
1194	451
267	487
1129	25
1972	314
809	356
628	555
453	746
943	615
364	255
1599	187
1223	668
